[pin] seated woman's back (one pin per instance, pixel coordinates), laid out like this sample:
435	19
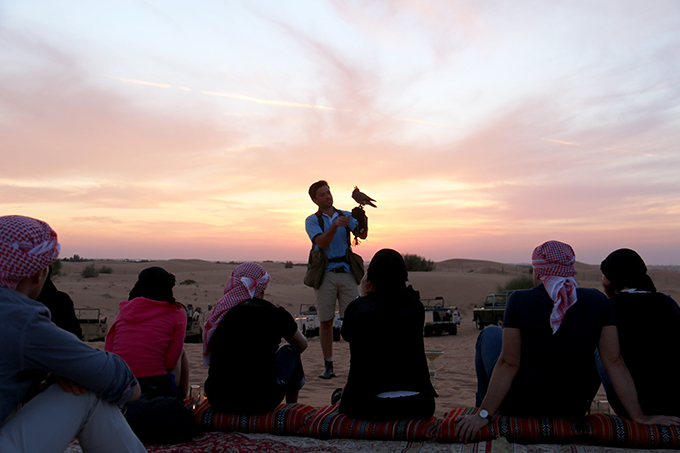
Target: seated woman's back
148	335
386	338
243	353
249	373
388	378
149	331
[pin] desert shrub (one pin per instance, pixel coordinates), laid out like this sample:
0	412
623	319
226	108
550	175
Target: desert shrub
188	281
288	265
105	270
89	271
75	259
418	263
56	268
522	281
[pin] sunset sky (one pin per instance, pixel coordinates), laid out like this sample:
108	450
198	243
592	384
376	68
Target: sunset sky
178	129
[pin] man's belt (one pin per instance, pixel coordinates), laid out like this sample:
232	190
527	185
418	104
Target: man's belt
338	259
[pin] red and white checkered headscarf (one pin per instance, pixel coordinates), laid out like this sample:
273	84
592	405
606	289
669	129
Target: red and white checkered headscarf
27	246
245	282
553	262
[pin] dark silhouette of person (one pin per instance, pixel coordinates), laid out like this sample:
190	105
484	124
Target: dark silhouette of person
60	306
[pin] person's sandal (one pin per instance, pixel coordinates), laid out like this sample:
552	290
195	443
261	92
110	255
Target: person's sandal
335	397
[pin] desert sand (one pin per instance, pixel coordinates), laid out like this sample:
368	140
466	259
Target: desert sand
462	283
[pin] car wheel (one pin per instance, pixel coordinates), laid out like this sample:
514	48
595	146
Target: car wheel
478	323
453	329
499	321
336	334
427	331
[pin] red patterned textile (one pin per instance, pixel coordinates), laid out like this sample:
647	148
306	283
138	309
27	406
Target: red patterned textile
613	431
27	246
328	423
553	263
537	430
245	282
514	429
554	258
235	443
285	419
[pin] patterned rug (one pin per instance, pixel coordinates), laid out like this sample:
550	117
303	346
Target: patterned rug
245	443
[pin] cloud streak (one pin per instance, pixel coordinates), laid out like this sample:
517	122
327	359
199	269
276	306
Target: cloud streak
479	136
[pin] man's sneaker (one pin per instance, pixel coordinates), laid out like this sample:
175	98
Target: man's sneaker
327	371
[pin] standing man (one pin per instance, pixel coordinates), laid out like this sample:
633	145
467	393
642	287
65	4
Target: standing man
53	387
328	230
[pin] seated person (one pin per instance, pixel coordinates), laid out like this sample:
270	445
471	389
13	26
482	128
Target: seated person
647	323
148	334
61	307
541	364
249	373
90	383
388	375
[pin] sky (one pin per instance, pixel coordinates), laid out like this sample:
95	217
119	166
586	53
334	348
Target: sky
173	129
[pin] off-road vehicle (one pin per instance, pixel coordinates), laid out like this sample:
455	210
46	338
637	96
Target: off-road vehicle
194	332
94	327
439	319
493	310
308	322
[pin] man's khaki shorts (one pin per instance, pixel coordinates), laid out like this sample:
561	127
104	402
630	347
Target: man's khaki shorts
341	287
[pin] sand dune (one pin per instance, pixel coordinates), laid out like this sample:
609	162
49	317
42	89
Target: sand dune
462	283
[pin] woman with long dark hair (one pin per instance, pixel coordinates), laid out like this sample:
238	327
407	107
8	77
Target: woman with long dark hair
148	334
388	376
647	323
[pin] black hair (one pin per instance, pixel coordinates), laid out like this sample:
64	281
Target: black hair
154	283
624	268
387	272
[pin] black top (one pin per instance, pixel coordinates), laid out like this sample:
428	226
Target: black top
557	375
387	352
242	373
649	336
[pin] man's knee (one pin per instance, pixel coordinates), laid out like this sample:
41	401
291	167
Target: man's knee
489	335
55	396
288	350
54	414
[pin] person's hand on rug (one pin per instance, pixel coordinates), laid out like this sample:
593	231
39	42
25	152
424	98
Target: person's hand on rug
468	426
666	420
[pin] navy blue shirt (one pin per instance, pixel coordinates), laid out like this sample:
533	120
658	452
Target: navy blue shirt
242	373
557	375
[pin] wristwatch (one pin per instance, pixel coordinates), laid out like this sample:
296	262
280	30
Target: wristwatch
485	414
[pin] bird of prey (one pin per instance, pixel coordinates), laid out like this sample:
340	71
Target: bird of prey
362	198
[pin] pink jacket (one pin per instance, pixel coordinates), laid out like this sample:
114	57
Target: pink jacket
148	335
